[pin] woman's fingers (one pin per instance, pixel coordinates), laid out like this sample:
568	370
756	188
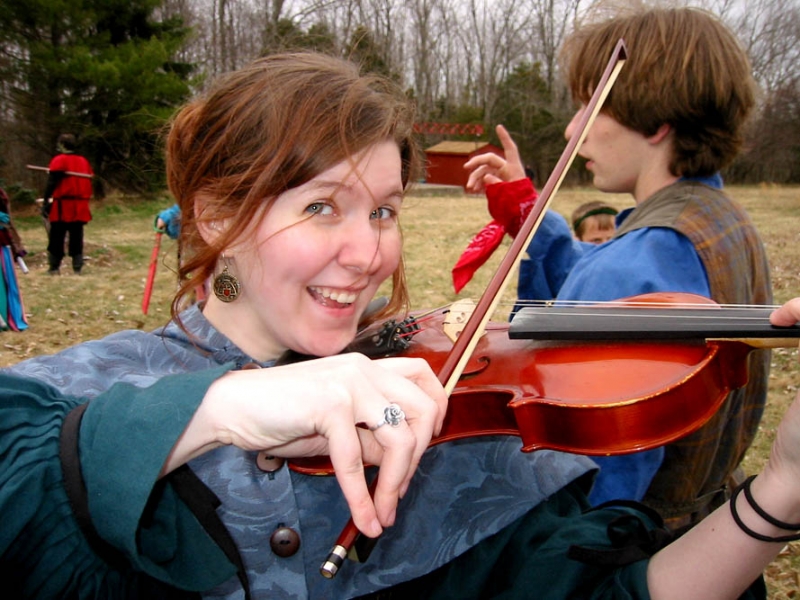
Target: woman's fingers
322	407
410	385
784	459
433	401
786	315
424	404
345	455
395	443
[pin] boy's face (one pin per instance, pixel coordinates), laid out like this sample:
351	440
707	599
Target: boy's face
616	155
593	233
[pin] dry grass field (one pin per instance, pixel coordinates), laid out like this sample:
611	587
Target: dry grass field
66	310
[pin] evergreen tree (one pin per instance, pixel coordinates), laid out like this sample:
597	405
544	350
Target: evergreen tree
288	36
101	69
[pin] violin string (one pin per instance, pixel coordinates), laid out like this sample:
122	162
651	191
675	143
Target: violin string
654	315
412	333
424	318
628	304
431	311
595	309
638	304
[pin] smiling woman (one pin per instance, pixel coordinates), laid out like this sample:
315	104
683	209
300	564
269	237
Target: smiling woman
309	136
317	258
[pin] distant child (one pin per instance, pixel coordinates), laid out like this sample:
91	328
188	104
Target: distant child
169	221
593	222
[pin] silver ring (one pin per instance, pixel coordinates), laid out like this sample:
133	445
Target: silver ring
392	415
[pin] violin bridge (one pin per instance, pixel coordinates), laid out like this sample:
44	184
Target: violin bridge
457	316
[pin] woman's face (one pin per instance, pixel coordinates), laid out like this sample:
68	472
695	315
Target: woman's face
316	259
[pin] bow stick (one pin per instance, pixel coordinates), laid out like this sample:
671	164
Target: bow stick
466	342
475	326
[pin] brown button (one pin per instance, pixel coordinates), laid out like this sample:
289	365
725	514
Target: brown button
267	463
284	541
250	365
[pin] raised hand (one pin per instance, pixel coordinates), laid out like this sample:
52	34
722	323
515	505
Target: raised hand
486	169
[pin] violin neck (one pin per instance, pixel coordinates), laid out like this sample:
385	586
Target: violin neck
747	325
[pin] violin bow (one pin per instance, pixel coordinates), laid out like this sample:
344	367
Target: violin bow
476	325
466	342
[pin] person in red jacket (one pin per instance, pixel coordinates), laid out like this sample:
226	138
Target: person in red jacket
66	203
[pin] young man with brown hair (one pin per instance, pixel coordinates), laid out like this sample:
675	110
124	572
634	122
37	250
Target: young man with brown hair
674	118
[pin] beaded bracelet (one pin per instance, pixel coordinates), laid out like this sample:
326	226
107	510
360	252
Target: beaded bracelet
761	513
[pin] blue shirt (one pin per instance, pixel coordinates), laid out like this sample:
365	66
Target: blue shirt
651	259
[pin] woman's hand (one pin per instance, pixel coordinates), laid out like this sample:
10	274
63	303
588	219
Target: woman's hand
488	168
716	558
786	315
328	407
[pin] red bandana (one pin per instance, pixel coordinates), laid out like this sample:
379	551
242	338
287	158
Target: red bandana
509	204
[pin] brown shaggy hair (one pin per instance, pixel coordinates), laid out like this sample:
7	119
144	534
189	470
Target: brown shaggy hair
684	69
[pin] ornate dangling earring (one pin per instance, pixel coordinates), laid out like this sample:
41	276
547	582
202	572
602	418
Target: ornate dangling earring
226	286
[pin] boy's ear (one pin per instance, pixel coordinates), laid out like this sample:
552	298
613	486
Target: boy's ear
662	132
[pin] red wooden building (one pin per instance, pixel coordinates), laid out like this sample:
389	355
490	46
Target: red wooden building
445	161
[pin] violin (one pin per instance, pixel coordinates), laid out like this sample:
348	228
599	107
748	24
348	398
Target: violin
665	370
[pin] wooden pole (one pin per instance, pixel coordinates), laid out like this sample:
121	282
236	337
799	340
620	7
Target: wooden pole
72	173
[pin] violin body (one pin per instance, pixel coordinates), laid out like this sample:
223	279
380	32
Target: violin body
592	397
595	398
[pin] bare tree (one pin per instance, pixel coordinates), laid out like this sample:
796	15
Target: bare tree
494	38
770	32
421	13
551	21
